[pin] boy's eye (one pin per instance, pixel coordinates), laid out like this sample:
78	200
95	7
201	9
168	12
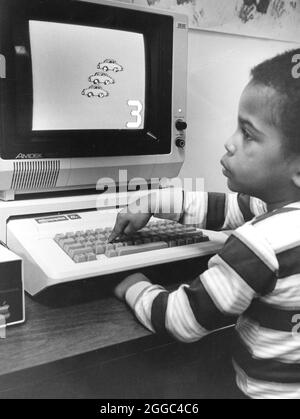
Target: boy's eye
246	135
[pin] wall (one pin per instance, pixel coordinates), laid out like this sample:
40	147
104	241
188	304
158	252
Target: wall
219	66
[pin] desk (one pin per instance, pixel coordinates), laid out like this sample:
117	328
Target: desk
95	348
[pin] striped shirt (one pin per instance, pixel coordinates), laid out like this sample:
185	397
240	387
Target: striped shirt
255	278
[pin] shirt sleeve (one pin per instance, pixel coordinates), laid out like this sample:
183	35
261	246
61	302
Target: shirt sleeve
211	211
245	269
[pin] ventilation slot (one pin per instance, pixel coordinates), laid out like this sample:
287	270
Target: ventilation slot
32	175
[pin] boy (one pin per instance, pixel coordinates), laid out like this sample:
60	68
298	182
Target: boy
256	276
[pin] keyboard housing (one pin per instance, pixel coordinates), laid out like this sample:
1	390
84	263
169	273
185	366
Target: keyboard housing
46	264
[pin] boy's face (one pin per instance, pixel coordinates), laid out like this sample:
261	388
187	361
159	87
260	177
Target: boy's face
255	163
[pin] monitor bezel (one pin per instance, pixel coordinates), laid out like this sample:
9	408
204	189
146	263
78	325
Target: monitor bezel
17	138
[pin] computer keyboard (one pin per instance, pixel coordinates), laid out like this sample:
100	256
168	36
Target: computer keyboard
84	246
73	246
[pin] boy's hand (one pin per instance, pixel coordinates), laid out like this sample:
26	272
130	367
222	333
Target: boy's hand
132	218
121	289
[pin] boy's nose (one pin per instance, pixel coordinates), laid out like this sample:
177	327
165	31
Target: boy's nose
230	147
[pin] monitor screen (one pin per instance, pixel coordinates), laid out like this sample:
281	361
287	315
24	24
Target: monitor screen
86	78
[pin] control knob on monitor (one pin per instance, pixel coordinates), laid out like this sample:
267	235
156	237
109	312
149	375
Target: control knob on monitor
181	125
180	142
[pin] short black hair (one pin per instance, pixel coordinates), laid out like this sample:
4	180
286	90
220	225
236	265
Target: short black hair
281	74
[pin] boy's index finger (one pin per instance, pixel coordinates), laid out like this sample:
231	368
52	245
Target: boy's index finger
112	237
118	230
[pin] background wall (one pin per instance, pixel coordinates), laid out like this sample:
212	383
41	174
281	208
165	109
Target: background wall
218	69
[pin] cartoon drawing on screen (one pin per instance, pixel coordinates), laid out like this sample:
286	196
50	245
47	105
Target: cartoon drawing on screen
102	78
95	91
110	65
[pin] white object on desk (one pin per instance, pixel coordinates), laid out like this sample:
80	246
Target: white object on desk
12	303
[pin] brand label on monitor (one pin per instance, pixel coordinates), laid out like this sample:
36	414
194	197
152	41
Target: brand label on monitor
29	156
181	25
53	219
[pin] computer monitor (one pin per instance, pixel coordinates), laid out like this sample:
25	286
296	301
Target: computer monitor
88	88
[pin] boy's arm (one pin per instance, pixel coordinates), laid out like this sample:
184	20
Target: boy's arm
213	211
244	269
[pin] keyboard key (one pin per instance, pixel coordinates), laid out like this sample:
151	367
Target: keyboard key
91	256
65	242
110	246
70	247
141	248
70	235
58	237
83	250
128	243
172	243
156	239
79	258
111	253
100	250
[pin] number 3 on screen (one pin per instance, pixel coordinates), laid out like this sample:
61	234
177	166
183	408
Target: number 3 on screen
136	112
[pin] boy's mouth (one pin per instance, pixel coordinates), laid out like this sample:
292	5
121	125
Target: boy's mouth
225	170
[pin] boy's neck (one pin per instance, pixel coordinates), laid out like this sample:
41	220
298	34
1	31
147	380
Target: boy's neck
272	206
280	197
